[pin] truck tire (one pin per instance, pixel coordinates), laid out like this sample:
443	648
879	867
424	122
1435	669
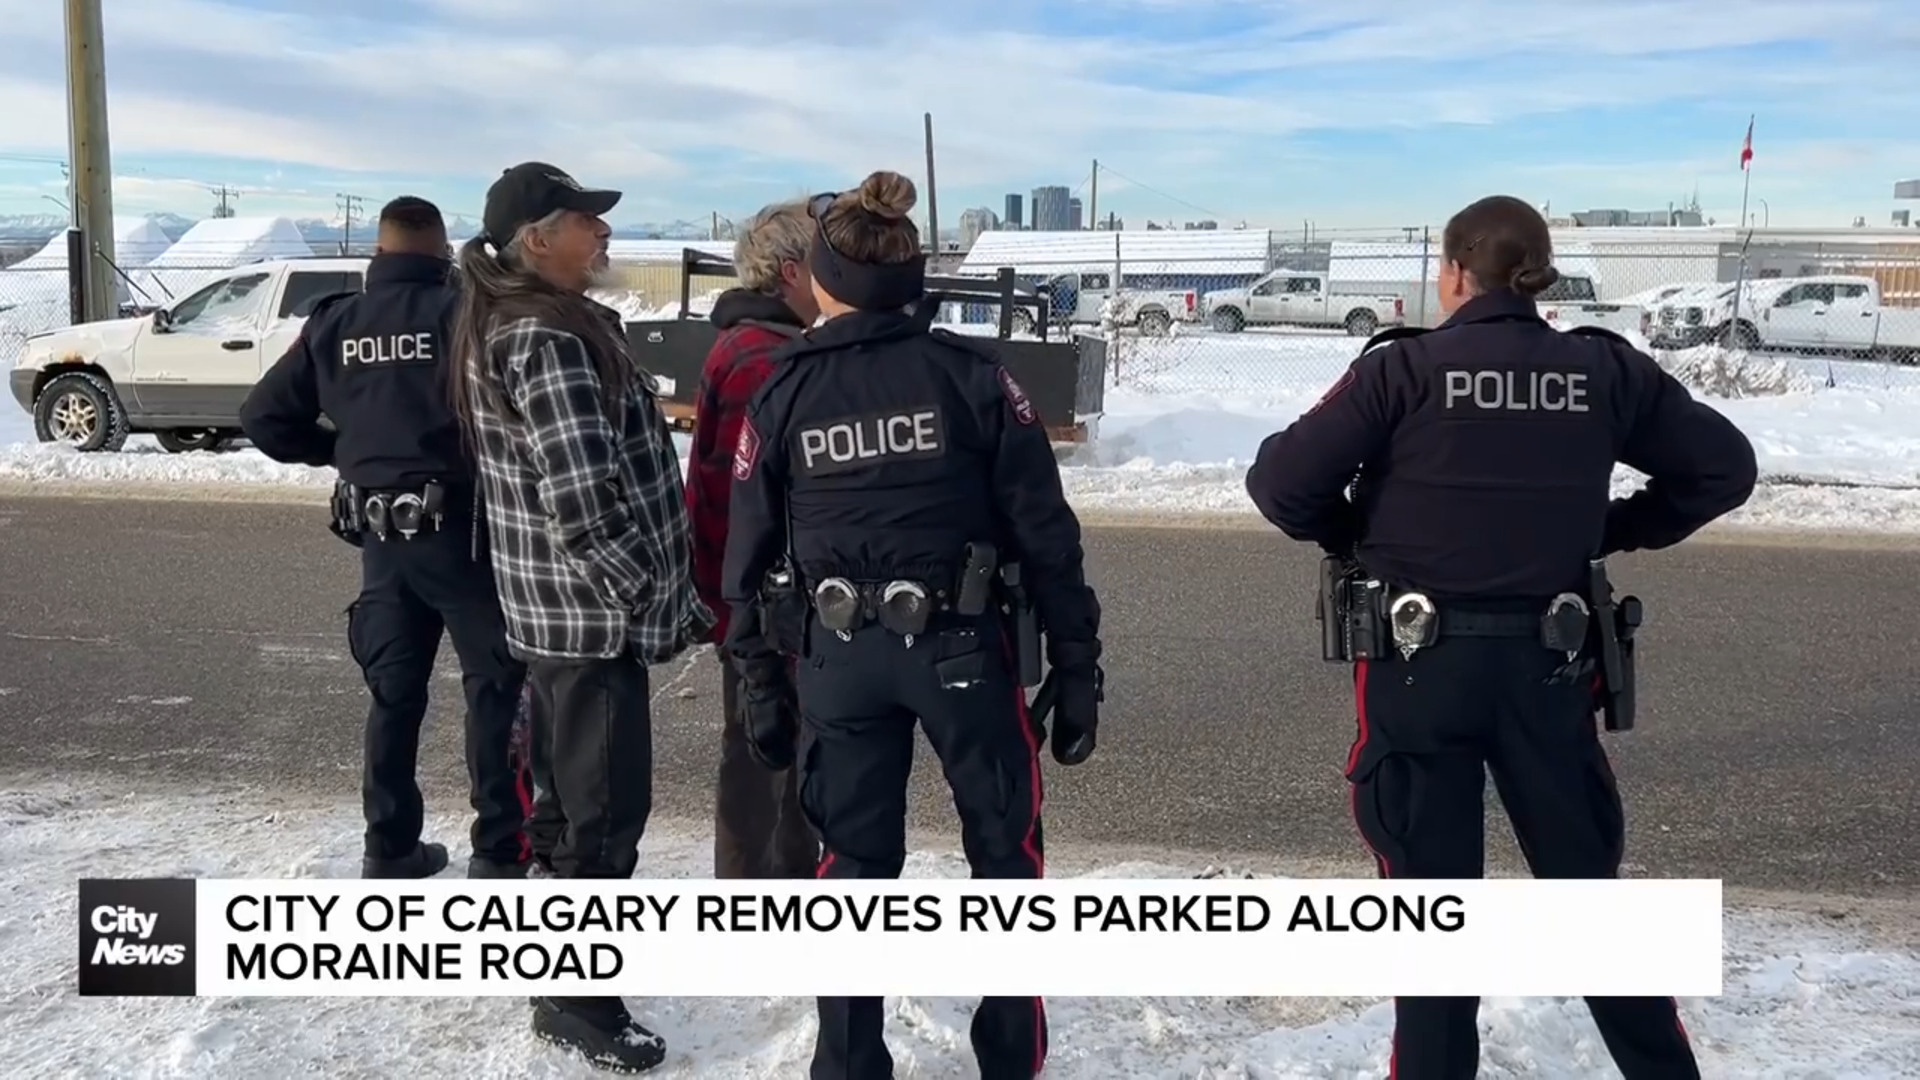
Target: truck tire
1362	323
1022	321
1154	323
188	440
1740	335
82	410
1228	321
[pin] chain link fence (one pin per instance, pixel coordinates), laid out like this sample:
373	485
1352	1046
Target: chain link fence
1254	316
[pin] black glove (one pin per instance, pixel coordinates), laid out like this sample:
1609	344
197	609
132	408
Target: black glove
770	714
1078	692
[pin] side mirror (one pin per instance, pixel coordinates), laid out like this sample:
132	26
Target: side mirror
162	320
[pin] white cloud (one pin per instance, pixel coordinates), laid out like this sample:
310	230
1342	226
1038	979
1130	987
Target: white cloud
636	94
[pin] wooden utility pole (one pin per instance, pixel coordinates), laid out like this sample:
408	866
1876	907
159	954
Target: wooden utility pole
92	163
349	209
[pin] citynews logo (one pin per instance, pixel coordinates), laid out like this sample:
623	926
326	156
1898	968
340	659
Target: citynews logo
137	938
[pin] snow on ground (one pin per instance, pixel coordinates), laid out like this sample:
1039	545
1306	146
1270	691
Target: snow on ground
1184	416
1801	1000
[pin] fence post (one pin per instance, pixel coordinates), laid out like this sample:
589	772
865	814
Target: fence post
1426	250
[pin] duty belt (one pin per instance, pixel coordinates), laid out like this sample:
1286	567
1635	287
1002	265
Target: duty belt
1416	622
405	512
903	606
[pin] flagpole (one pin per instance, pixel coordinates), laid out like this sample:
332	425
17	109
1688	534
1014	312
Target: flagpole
1740	280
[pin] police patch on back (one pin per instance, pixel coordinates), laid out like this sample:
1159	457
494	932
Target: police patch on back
1515	390
858	442
378	350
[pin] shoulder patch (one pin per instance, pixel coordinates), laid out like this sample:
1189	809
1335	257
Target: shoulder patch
1393	333
746	452
1339	386
1023	409
1601	332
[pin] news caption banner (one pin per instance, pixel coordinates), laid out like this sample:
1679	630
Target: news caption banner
932	938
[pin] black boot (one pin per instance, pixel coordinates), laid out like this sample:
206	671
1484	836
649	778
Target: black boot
423	861
487	868
599	1029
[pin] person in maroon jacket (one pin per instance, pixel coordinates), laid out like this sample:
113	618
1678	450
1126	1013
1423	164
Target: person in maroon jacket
759	828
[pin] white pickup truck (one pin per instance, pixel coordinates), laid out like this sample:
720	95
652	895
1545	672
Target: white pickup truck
1301	298
182	372
1825	314
1089	298
1834	314
1571	302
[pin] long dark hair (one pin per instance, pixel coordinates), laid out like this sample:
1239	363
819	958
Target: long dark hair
499	289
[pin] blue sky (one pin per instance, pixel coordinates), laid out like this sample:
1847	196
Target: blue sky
1375	113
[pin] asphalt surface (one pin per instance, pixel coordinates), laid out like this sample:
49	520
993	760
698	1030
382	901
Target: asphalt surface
200	645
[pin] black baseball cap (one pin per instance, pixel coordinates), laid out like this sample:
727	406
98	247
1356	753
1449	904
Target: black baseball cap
533	189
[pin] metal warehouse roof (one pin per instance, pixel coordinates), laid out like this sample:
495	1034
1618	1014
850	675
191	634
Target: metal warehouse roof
1238	251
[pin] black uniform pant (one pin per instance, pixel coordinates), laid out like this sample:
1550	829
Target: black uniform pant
411	591
1430	730
759	831
859	700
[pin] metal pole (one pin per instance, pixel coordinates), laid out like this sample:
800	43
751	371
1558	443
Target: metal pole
933	202
91	163
1093	198
1740	277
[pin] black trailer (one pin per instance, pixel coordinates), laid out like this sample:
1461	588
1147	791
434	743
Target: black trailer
1065	379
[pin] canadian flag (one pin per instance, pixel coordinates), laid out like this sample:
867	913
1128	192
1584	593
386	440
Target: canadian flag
1746	148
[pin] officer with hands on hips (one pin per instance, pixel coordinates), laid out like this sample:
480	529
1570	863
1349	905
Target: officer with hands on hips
373	363
1485	451
887	471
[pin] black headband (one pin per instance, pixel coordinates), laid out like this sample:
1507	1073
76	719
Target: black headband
866	286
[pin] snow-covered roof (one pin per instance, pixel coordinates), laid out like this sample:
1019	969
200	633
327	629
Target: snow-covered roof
1713	235
137	241
224	242
1237	251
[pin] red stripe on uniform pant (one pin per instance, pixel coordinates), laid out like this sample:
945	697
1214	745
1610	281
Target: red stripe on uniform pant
1363	731
523	787
1027	846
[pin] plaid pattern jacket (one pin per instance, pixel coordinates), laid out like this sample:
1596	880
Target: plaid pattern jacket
592	549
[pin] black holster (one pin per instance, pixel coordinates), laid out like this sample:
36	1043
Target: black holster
783	611
344	507
1614	628
1351	613
1026	624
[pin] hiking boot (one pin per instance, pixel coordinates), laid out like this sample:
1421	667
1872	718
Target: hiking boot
488	868
611	1041
423	861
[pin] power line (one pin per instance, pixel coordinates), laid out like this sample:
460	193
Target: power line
1170	198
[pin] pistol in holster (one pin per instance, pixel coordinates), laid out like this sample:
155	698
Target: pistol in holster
783	610
1350	610
344	507
1025	617
1614	627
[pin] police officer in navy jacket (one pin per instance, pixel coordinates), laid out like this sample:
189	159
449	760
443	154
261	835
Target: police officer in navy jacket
1484	451
374	363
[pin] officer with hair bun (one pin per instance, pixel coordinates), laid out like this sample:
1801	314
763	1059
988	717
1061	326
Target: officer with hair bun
1484	452
887	472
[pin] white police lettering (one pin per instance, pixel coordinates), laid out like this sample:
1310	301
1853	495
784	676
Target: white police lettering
859	441
414	348
1517	391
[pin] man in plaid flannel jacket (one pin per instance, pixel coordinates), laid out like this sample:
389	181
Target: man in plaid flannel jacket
592	548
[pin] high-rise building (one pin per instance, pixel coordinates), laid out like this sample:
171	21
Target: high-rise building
1076	215
1013	217
973	223
1052	209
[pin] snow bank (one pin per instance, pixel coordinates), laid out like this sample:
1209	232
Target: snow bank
1837	443
1801	999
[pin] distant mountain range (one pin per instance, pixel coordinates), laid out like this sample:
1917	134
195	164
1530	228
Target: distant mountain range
23	229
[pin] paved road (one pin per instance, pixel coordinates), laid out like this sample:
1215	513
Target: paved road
171	642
